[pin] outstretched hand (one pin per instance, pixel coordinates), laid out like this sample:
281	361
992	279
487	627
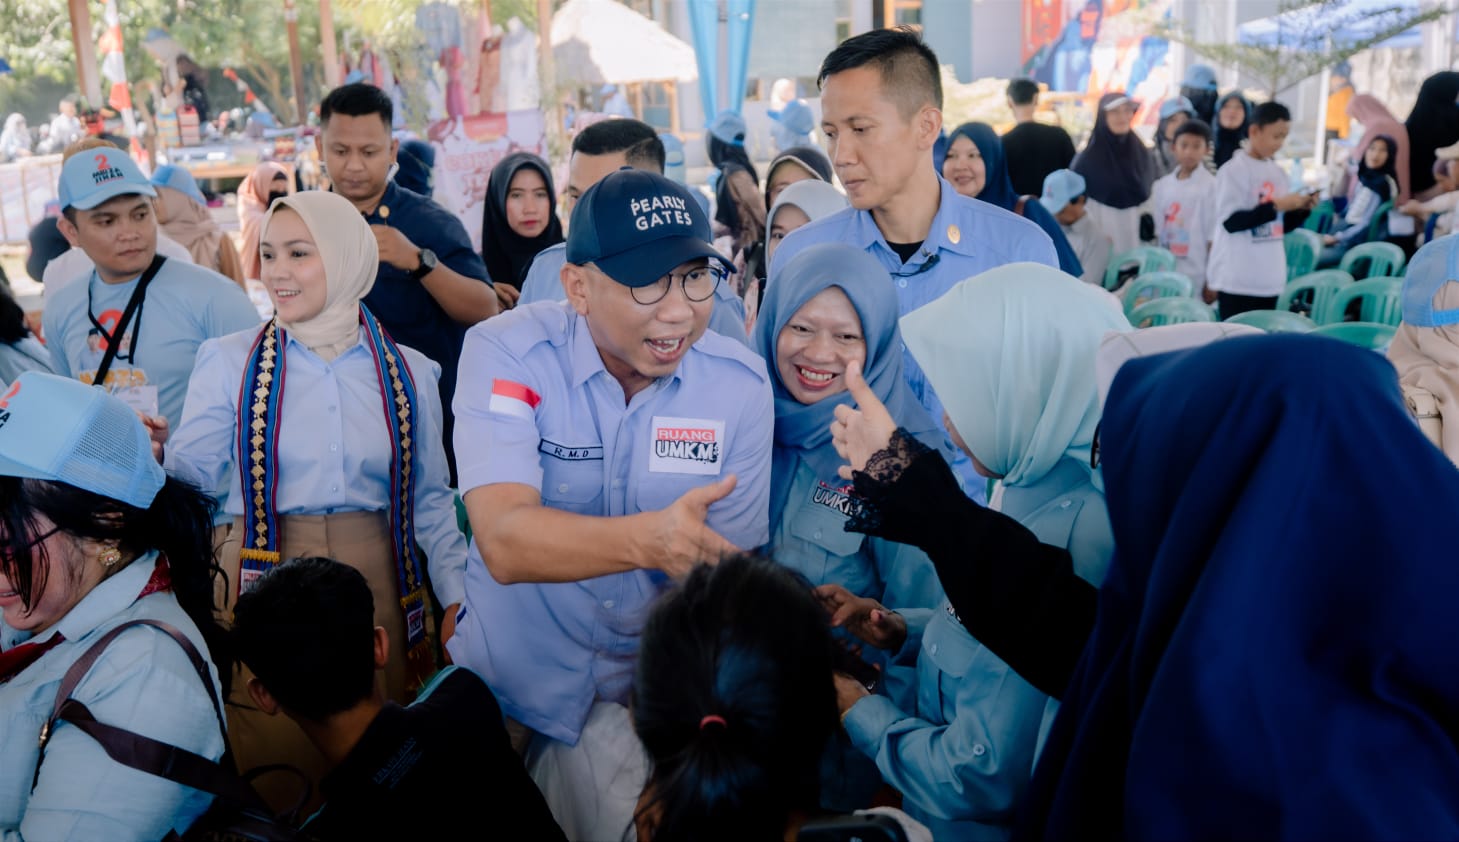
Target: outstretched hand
858	433
681	539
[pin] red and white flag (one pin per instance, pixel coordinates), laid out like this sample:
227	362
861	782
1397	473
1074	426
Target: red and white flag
511	398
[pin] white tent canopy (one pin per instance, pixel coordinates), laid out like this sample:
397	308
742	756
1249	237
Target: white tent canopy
603	42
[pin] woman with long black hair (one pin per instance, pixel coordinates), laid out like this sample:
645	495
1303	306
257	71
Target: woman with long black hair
96	535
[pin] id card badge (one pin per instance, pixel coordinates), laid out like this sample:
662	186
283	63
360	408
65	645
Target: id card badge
143	399
686	446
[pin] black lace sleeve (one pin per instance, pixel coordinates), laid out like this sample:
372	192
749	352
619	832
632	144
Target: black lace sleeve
1016	595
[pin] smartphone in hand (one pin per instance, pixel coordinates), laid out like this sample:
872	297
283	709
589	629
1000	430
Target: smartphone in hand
850	663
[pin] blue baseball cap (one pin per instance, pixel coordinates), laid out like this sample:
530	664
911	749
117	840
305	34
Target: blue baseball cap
179	179
1432	266
100	175
796	116
1060	188
59	429
1175	105
729	127
1200	77
636	226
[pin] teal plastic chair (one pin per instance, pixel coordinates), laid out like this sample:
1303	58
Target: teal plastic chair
1381	302
1171	311
1311	294
1148	258
462	521
1274	321
1153	285
1376	260
1321	218
1378	228
1303	249
1364	334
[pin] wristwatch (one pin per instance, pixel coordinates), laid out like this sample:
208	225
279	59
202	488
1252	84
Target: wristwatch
427	264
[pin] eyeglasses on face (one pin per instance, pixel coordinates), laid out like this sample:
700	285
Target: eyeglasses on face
699	285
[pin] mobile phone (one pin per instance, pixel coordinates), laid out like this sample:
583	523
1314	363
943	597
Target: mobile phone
850	663
866	827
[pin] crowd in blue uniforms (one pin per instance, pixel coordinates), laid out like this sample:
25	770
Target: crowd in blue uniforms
620	425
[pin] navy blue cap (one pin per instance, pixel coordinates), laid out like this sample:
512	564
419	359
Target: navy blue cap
636	226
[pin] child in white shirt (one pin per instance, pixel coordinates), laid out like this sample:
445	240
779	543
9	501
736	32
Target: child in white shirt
1064	197
1185	203
1248	264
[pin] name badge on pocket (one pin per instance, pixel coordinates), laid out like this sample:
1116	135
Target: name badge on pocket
141	398
686	446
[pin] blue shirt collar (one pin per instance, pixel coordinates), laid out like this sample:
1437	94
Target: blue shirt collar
108	599
945	233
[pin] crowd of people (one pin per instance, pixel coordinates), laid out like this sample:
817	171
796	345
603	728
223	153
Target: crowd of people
849	503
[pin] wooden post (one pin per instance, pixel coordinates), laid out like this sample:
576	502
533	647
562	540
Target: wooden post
330	55
547	79
88	77
296	62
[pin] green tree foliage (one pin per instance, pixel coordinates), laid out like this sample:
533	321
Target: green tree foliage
1314	37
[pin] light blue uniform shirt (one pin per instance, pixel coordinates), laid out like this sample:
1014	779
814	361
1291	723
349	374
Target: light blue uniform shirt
144	682
967	238
550	650
964	760
544	283
185	305
334	446
809	537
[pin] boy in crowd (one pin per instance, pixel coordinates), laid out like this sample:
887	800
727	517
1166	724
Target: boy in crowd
307	630
1063	196
1184	203
1248	265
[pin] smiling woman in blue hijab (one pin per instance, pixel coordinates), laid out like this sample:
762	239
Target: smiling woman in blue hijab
1254	673
829	307
977	168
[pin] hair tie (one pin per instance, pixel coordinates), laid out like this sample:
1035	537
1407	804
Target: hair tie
712	720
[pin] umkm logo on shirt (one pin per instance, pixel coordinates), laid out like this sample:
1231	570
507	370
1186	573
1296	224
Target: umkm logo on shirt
836	499
686	446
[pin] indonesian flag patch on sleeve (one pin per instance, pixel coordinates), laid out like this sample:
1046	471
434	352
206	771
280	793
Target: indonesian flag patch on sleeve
511	398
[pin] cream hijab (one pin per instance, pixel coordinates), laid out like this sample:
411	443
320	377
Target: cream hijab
351	260
1426	348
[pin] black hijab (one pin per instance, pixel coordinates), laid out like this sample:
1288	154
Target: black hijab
1118	170
1229	140
1432	124
1382	179
507	253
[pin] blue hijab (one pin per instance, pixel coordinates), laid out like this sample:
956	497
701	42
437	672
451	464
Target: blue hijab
1274	650
803	431
998	190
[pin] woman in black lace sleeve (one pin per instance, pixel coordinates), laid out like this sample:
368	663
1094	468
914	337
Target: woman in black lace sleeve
1020	597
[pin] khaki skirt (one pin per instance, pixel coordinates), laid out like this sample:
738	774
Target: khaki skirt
361	540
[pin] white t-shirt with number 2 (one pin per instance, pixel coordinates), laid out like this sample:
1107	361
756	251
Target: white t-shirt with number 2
1251	262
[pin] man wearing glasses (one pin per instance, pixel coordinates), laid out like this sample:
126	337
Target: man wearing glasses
606	444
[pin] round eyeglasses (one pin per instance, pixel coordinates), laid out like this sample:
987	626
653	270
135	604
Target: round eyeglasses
699	285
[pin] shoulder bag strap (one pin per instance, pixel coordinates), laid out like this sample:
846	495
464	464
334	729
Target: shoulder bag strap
114	342
141	752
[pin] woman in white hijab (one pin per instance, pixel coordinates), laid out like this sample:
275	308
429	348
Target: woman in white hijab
327	437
